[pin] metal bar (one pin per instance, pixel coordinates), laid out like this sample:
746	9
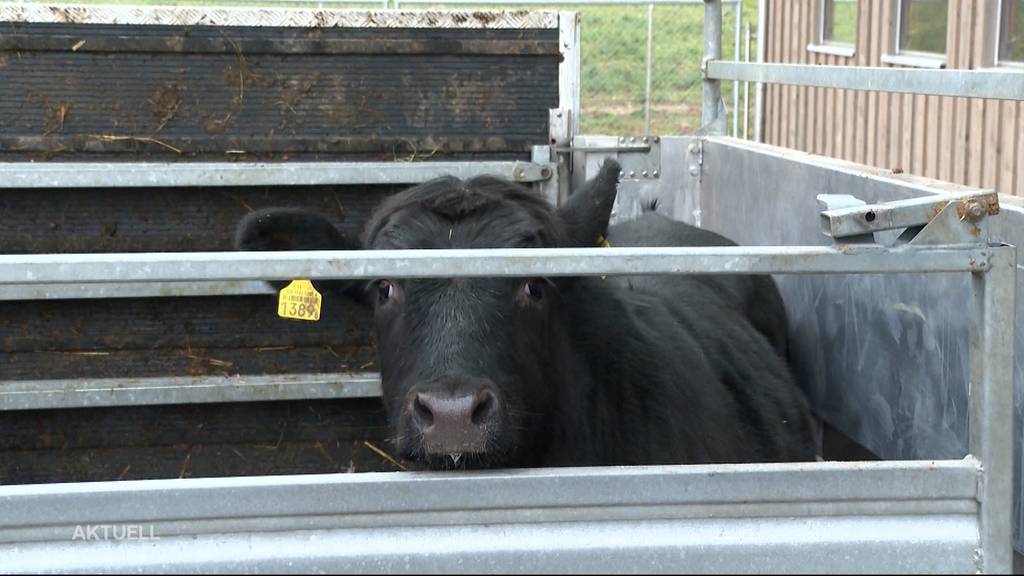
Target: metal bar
867	218
996	84
868	517
267	16
746	86
470	263
79	393
647	78
736	85
762	35
142	174
711	87
991	404
132	290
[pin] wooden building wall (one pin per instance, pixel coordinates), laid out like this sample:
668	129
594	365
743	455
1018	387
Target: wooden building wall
970	141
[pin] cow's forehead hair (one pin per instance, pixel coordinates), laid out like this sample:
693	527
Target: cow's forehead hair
483	212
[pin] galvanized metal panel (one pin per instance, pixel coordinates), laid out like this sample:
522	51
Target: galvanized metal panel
821	517
883	358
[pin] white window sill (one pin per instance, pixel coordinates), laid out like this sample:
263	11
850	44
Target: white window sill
832	50
915	61
1008	67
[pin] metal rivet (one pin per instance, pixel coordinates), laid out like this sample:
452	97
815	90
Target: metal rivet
654	174
646	139
622	174
692	148
632	138
657	139
694	170
644	173
632	173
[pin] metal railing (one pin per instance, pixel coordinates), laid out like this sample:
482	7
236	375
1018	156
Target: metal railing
990	341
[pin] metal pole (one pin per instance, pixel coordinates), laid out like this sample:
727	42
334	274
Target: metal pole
991	404
762	34
650	50
746	86
738	7
712	89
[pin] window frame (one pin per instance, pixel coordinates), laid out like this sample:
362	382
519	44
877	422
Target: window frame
914	58
823	45
997	53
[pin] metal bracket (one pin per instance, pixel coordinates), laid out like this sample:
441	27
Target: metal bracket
927	221
531	172
696	150
639	156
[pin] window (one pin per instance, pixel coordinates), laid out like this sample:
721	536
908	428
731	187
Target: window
839	22
922	26
1011	31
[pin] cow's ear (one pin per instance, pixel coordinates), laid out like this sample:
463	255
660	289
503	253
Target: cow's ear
588	210
279	229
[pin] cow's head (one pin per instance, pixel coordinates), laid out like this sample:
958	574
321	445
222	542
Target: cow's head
463	361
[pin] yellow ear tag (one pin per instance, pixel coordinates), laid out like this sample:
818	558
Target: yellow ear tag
603	243
299	301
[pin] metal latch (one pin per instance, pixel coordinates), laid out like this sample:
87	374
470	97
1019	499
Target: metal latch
639	156
931	220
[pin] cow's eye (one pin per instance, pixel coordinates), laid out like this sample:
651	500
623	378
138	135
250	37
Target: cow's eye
534	289
385	291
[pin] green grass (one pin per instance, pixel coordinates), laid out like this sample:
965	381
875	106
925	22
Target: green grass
613	60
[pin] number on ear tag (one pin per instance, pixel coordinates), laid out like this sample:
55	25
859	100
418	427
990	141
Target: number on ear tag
299	301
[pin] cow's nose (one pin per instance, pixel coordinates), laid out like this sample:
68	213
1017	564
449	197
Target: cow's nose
453	424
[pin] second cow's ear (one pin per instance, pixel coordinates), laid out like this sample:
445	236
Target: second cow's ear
279	229
587	212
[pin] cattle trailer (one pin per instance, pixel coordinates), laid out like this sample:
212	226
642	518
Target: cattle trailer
161	126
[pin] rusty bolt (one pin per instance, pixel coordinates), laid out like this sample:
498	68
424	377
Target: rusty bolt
974	211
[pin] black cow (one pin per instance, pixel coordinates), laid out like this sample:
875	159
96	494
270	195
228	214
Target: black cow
561	371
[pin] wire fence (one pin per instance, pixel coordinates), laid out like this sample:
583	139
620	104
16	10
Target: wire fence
640	61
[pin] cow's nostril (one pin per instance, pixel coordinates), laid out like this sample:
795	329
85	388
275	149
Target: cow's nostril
486	402
422	411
